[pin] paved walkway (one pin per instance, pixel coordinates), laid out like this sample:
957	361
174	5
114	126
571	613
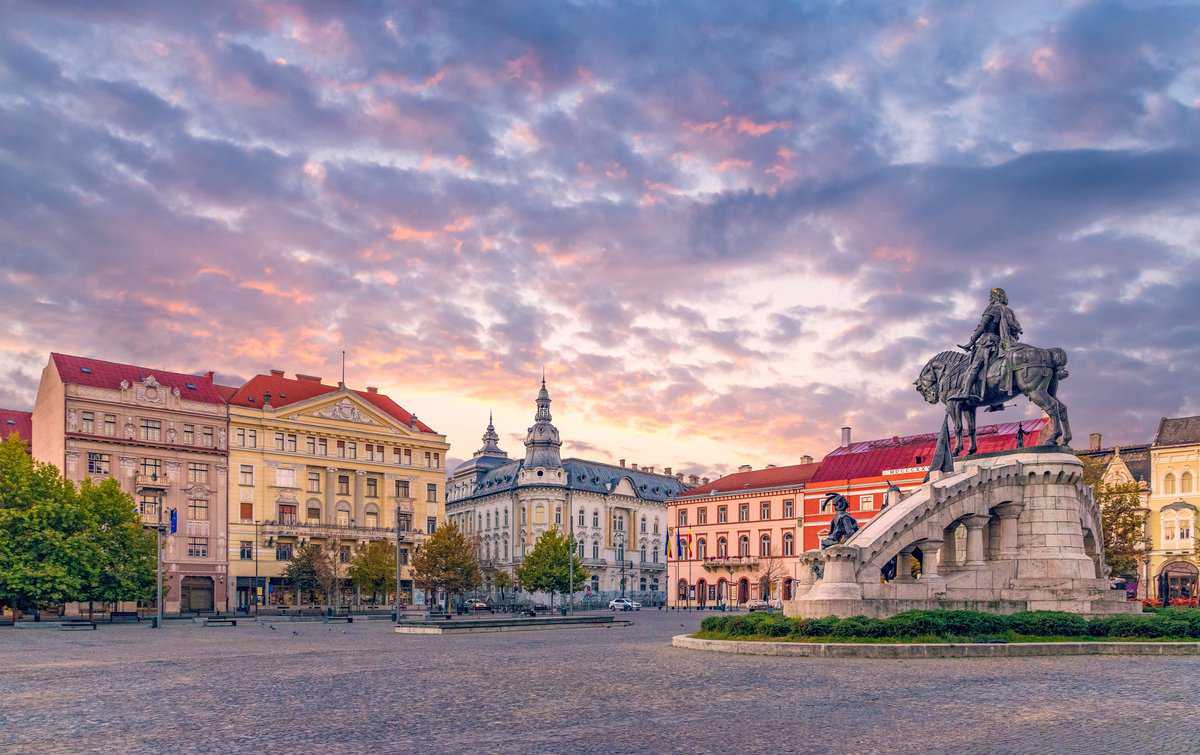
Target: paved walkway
361	688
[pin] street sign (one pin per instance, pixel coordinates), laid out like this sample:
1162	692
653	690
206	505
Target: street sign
174	521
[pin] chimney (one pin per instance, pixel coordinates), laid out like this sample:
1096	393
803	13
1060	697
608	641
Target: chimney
745	468
277	373
667	471
208	375
649	469
806	459
622	463
1094	441
845	436
703	480
414	421
679	476
633	466
693	480
313	378
372	389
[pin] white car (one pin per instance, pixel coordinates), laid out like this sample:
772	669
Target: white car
624	604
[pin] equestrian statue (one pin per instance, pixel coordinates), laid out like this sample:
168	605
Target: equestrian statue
992	368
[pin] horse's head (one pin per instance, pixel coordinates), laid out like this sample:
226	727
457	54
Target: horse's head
927	382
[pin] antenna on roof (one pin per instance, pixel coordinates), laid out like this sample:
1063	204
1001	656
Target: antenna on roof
343	368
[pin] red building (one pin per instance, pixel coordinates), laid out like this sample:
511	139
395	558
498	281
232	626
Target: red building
864	471
21	423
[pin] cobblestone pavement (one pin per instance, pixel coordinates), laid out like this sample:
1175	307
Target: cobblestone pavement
304	687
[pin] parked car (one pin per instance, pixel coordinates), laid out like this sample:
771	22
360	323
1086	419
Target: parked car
477	605
758	605
624	604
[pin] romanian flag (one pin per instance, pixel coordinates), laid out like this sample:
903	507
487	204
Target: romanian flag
678	543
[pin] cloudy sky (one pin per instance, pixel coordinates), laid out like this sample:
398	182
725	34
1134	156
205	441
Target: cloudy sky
723	229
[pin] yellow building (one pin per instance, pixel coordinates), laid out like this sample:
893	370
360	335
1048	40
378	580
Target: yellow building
1175	465
315	463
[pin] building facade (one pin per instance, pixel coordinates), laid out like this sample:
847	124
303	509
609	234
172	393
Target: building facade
738	537
316	463
1175	469
874	472
617	514
1120	466
163	436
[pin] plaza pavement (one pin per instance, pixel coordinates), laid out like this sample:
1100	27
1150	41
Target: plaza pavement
307	687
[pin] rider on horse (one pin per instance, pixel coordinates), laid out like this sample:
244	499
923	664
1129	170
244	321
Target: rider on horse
997	333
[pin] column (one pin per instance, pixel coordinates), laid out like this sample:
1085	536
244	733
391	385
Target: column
1008	513
929	558
330	488
975	526
904	564
360	477
948	555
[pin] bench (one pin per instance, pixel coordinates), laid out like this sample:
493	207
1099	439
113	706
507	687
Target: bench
220	621
332	619
124	617
77	624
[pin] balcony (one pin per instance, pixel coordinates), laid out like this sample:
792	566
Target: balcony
731	562
298	528
150	481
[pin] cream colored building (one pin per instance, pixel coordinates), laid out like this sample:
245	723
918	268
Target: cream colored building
163	436
315	463
1174	501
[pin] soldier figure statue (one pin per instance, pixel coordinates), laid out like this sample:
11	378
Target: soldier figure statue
997	333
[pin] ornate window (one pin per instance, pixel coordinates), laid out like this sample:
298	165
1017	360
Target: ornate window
683	517
596	517
764	545
643	529
744	545
343	514
1169	484
1185	482
701	549
595	550
198	510
312	513
789	544
722	547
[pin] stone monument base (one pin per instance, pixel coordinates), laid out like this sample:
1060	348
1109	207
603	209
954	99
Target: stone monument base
1032	543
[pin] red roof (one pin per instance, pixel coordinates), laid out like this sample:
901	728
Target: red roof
870	458
19	422
100	374
758	479
285	391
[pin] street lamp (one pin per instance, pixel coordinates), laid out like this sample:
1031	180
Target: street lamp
621	557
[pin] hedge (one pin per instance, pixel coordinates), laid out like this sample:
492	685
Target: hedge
1168	622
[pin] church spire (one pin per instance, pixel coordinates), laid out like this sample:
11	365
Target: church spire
491	441
542	442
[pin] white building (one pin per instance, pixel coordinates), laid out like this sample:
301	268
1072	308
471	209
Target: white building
618	514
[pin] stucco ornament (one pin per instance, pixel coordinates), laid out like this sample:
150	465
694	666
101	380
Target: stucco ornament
72	421
344	410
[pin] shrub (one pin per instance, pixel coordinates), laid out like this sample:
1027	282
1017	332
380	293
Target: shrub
1048	624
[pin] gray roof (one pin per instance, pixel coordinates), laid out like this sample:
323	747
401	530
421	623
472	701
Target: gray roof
589	476
1174	431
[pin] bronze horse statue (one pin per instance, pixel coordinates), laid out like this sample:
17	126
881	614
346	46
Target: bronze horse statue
1024	370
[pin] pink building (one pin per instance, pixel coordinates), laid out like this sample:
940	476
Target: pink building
741	536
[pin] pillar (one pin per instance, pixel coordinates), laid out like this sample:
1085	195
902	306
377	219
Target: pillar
359	481
948	555
975	526
930	553
904	564
1008	514
330	489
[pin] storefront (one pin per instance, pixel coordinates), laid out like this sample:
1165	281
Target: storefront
1178	581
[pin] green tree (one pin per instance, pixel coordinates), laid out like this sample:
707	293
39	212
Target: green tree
122	563
373	569
548	566
502	581
306	571
448	562
1124	525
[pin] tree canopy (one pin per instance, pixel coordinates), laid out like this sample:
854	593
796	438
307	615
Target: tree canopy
547	567
1123	521
447	561
373	570
61	543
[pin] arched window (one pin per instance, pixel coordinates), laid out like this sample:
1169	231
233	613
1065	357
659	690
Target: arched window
656	525
701	549
683	589
764	545
343	514
313	512
523	517
643	553
744	545
643	524
722	547
489	520
581	518
595	550
581	556
506	519
1169	483
620	552
789	544
1185	482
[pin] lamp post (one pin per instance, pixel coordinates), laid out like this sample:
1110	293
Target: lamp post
158	529
397	591
254	590
621	556
570	565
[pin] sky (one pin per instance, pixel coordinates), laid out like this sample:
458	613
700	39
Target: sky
724	230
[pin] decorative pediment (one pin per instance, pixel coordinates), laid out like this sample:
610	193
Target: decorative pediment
346	411
624	487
